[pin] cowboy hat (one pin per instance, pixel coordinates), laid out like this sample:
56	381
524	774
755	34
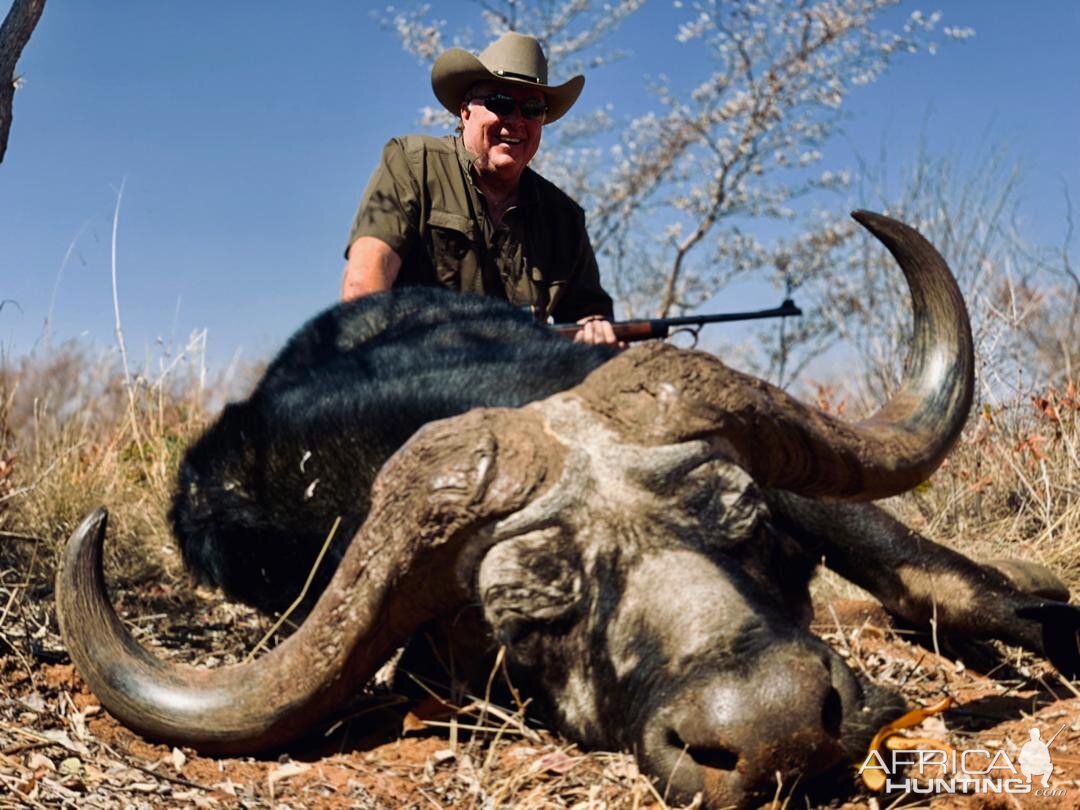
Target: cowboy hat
513	58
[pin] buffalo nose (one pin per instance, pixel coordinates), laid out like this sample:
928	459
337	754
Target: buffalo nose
733	736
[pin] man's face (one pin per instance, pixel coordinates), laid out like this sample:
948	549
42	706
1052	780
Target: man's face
504	144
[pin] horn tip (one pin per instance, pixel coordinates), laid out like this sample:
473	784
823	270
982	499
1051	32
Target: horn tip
94	522
868	219
91	530
886	229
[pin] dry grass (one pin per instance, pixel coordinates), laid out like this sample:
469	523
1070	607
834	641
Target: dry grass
1011	488
74	435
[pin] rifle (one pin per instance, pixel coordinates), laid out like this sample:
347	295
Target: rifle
650	329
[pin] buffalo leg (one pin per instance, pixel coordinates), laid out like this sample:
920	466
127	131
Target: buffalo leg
919	580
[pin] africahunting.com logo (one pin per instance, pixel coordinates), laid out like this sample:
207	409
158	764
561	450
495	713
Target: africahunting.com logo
1011	769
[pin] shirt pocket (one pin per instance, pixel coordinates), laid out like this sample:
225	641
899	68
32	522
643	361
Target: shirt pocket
452	246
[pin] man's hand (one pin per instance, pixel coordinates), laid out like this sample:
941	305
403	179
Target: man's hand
372	267
597	331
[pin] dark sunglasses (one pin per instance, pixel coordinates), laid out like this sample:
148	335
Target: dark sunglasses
501	104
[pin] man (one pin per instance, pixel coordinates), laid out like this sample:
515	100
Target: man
466	212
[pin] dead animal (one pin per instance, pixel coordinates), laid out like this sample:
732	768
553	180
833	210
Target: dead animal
637	529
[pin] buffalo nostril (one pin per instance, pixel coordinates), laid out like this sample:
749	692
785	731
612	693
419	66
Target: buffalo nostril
717	759
832	713
706	756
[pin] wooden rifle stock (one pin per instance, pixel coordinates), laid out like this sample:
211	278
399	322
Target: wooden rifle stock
651	329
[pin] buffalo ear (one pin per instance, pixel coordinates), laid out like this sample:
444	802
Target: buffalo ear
529	580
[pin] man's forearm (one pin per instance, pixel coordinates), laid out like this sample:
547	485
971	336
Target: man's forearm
372	266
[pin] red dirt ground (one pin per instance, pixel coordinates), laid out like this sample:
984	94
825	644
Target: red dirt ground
59	749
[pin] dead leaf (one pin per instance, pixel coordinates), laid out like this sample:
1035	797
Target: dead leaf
38	760
286	771
623	769
431	708
554	762
78	726
29	788
61	738
179	760
888	737
444	755
34	702
228	786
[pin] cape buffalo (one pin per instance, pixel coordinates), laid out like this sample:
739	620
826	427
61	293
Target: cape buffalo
638	529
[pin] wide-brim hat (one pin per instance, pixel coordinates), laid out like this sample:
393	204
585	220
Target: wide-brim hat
513	58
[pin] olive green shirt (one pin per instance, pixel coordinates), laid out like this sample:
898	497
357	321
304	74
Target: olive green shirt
423	203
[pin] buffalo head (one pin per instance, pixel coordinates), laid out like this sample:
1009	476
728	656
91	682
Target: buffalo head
617	542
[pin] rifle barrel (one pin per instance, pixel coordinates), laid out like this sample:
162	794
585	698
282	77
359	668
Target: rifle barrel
649	328
786	309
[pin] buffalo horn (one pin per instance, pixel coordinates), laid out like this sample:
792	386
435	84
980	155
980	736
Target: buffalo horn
661	395
427	498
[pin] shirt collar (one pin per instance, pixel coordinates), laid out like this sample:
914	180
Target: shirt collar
528	193
465	157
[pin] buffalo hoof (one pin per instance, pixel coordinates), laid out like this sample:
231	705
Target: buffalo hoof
1060	625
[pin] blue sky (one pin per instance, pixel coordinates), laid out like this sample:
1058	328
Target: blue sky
244	133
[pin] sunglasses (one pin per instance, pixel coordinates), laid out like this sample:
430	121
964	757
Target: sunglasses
501	104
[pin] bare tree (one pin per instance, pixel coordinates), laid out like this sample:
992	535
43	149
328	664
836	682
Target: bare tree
741	143
14	34
1023	298
1051	288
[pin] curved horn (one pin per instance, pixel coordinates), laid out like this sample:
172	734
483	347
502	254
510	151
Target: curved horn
427	499
671	395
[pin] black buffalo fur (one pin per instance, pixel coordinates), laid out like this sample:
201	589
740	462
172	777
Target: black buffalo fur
259	492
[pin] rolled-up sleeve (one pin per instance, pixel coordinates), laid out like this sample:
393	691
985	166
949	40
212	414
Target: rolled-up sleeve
389	209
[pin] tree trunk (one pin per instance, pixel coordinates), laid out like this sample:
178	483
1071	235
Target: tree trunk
14	34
